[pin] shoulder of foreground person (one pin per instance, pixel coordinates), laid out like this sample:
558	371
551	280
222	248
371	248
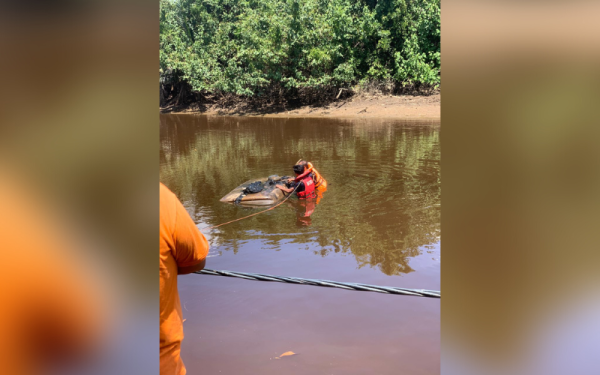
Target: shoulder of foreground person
190	246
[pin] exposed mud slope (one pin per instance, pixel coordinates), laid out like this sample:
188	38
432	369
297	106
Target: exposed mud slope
401	107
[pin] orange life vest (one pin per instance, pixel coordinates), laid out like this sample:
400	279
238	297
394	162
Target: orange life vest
320	182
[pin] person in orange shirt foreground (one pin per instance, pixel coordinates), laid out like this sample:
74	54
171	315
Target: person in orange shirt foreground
183	250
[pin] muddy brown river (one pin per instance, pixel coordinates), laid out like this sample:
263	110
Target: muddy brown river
377	223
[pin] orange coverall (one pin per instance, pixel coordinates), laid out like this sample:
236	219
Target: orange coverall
181	245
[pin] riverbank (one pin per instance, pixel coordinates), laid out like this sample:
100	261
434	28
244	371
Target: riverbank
364	106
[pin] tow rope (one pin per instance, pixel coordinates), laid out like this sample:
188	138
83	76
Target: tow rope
325	283
254	214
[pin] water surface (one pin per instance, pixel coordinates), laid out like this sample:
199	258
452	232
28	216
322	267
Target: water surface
378	223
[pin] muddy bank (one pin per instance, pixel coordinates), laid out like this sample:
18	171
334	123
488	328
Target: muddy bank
378	106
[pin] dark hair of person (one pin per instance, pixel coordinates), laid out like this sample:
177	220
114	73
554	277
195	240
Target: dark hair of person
299	168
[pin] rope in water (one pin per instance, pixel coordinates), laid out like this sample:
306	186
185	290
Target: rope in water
254	214
325	283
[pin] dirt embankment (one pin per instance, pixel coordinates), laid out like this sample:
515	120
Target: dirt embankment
376	106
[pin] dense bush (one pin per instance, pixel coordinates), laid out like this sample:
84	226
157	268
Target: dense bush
287	47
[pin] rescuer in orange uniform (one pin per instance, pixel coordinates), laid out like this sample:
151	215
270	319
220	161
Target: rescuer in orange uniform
183	250
308	182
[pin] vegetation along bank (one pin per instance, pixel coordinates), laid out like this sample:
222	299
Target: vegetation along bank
246	56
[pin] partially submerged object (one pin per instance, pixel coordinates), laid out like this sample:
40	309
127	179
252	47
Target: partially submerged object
257	192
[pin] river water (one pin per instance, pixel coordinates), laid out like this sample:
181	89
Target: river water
377	223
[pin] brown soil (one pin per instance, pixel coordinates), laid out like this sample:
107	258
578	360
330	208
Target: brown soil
380	106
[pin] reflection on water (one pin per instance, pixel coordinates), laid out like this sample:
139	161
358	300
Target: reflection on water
382	205
377	223
304	209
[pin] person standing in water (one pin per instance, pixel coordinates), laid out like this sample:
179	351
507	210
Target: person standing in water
183	250
308	181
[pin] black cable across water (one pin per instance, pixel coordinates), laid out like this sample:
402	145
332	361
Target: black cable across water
325	283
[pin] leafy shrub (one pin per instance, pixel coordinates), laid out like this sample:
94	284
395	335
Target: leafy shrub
283	47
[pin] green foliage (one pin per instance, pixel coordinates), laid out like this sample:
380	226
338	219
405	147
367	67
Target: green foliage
250	47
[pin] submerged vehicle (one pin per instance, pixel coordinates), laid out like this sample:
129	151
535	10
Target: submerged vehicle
258	192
